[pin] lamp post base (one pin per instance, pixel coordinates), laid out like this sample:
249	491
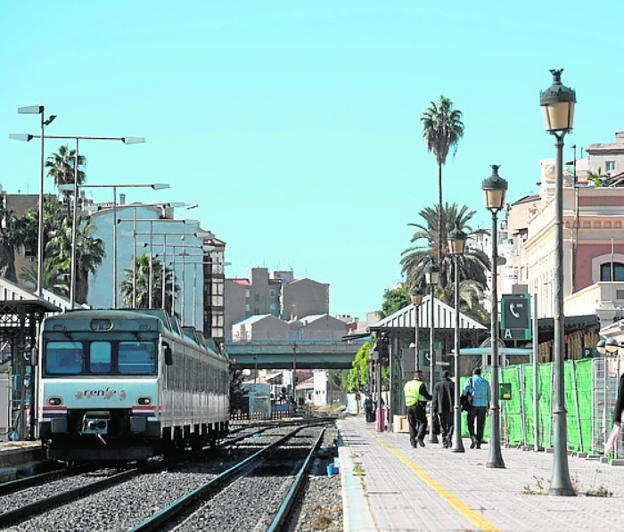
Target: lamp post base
433	439
458	449
562	492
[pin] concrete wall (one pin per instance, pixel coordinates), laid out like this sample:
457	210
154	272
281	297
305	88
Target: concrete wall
304	297
266	328
325	328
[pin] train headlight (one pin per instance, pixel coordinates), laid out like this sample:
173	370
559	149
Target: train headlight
144	401
55	401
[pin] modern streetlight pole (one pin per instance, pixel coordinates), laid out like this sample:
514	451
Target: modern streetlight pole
557	103
151	234
494	188
38	110
114	187
417	297
457	241
74	189
432	278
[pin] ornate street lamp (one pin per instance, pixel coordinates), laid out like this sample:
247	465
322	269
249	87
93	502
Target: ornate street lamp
432	278
457	241
417	297
494	189
558	103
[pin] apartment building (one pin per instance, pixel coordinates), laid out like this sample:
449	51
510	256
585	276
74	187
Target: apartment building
277	294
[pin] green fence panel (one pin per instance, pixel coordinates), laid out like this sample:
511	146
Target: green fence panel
527	375
545	399
584	388
511	410
574	442
578	401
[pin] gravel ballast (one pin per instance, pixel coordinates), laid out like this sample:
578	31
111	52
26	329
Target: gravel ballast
126	505
320	504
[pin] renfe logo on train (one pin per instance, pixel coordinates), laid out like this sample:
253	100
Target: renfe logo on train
106	393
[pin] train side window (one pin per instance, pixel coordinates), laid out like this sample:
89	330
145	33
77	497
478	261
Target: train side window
137	358
100	357
64	358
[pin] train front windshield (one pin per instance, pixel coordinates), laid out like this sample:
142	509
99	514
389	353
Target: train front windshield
100	357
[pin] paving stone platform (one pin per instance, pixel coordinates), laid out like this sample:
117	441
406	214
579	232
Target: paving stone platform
387	485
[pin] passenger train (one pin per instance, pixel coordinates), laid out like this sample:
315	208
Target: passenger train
128	384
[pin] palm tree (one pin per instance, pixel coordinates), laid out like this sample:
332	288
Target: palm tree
61	167
142	284
442	129
473	264
54	279
89	252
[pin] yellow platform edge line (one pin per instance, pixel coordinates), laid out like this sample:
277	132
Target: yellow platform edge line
458	505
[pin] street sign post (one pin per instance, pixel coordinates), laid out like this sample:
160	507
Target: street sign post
516	317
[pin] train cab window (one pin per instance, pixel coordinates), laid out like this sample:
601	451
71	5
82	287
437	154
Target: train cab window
100	357
137	358
63	358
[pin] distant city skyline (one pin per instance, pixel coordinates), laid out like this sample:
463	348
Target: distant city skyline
296	126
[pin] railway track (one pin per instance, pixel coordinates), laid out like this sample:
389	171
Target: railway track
16	506
185	512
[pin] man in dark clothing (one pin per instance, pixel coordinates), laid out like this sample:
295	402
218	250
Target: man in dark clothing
368	410
416	397
442	406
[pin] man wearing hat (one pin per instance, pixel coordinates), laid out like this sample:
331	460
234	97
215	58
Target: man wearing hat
416	397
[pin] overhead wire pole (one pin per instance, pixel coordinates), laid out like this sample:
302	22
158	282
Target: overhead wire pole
72	275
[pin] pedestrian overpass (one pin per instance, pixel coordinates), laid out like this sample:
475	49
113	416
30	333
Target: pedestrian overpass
290	354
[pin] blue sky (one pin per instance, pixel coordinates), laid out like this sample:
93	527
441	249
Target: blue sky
295	125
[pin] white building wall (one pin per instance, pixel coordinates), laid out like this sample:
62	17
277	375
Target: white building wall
100	284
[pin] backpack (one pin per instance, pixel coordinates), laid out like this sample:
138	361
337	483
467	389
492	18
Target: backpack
465	400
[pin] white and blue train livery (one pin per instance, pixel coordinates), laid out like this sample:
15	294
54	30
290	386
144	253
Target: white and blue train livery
127	384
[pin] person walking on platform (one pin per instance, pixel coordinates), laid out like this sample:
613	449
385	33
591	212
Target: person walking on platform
368	410
416	397
442	405
479	389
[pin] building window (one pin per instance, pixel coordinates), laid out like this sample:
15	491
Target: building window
272	292
247	294
247	307
606	270
256	297
610	166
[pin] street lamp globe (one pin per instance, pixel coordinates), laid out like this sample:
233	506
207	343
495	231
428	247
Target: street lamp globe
611	345
417	295
494	189
557	103
600	347
457	240
432	274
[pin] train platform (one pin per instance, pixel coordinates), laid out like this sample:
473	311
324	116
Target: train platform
388	485
19	456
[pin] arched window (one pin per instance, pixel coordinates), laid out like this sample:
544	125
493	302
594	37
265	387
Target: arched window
606	269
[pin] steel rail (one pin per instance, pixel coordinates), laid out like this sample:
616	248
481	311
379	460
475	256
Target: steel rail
12	486
167	514
27	511
280	521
